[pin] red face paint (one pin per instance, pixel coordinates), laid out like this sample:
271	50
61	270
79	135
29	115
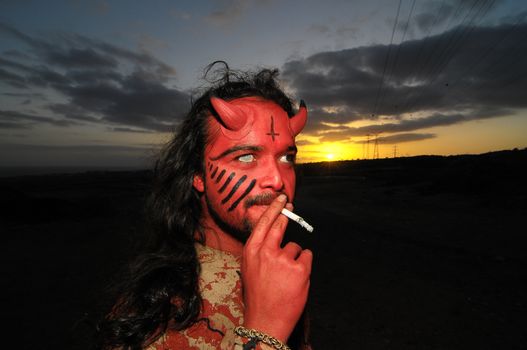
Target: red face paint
247	168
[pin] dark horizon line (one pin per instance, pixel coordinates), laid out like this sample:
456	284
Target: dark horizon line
16	171
419	155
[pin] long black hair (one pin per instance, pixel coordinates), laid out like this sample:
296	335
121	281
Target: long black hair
161	289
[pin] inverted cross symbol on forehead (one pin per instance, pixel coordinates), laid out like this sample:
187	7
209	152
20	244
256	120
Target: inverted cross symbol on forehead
272	133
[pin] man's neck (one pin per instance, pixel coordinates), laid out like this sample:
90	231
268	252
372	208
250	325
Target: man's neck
217	239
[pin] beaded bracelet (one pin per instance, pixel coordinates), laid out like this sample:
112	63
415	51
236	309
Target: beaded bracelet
253	334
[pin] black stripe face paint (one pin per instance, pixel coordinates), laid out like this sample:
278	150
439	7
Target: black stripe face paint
218	179
214	173
229	179
244	194
220	175
234	189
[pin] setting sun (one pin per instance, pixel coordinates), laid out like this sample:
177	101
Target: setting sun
327	151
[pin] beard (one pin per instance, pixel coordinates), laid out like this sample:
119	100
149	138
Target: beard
240	232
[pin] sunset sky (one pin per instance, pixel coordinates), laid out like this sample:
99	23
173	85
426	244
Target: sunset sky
100	83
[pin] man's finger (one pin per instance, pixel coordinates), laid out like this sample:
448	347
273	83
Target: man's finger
276	233
267	220
306	259
292	250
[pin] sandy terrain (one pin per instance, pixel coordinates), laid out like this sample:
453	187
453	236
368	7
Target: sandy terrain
414	253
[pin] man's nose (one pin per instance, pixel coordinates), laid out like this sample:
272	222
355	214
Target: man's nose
272	177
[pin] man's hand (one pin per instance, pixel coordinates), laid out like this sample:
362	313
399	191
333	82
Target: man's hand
275	279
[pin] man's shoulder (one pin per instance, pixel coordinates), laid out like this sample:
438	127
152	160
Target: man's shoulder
213	257
222	309
219	274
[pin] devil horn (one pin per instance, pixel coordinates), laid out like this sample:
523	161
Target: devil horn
232	116
298	121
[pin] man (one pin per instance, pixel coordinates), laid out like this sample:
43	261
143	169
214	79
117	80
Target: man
216	275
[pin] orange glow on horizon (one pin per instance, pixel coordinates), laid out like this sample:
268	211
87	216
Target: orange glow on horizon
327	152
505	133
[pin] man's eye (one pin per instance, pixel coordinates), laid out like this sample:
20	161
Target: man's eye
246	158
288	158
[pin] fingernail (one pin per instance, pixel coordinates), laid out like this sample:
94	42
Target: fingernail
282	198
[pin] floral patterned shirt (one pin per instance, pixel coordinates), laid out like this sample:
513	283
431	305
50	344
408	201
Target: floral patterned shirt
221	292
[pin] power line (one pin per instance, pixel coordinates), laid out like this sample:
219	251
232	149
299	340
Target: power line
424	63
453	49
431	54
396	59
386	60
450	50
492	48
433	59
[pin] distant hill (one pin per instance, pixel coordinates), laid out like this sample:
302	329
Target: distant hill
494	171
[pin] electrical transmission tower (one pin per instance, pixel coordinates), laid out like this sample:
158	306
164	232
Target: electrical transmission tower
367	147
376	146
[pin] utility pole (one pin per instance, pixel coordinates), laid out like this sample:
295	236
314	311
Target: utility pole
368	146
376	146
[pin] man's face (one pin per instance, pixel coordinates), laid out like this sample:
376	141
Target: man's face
244	173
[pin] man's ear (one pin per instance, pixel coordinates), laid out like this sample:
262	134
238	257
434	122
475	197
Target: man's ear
198	183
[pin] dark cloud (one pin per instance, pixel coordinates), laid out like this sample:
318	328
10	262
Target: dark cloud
12	79
400	138
304	143
37	75
91	149
81	58
26	121
142	59
129	130
335	136
445	14
461	75
16	54
102	83
31	95
139	100
437	13
16	154
72	111
343	133
15	65
13	125
517	17
13	32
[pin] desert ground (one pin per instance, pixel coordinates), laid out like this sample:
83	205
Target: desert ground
410	253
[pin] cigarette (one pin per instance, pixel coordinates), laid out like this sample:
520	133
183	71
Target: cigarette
297	219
